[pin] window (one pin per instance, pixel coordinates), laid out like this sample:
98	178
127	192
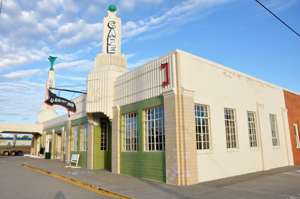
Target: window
230	128
154	129
83	137
274	130
297	136
202	126
130	132
75	138
103	136
252	129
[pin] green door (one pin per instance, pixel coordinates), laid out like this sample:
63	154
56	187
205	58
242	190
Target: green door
102	145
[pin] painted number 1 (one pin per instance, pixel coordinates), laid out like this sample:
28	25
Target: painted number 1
165	67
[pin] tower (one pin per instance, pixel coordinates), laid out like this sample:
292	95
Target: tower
47	112
107	67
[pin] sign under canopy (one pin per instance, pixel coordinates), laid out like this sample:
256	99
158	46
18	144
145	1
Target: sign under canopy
53	99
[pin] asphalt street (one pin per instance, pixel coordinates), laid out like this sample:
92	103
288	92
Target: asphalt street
17	182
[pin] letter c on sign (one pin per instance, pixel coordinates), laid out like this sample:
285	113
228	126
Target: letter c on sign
165	67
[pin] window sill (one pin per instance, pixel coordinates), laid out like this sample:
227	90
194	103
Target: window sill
233	150
254	149
207	151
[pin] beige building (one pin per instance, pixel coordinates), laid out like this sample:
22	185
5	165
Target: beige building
179	119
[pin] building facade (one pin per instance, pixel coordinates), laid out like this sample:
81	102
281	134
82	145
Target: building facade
292	101
179	119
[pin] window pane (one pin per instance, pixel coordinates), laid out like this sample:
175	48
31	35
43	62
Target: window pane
202	126
230	128
154	129
129	131
274	130
252	129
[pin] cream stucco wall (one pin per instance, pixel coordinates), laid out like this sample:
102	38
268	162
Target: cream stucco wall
219	87
144	82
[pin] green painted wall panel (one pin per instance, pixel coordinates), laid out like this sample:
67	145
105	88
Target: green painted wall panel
150	165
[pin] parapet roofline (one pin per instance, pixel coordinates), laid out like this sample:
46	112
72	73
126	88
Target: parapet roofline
219	66
228	69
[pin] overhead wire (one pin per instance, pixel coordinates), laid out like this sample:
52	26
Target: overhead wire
278	18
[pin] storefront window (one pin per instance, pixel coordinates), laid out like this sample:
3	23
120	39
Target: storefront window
75	138
130	138
154	129
83	137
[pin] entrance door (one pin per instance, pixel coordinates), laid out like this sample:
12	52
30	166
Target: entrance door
102	145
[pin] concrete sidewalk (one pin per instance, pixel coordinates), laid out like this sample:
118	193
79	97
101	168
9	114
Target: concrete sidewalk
280	183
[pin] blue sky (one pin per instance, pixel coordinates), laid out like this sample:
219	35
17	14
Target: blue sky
236	33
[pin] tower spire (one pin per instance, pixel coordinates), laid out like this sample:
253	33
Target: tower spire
111	40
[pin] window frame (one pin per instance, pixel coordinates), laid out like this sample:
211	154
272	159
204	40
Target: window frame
252	135
297	135
146	147
276	130
75	146
103	139
133	147
229	142
208	118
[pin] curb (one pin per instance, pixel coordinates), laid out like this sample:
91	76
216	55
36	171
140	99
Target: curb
76	182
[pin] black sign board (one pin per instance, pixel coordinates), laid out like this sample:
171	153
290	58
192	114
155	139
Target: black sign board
56	100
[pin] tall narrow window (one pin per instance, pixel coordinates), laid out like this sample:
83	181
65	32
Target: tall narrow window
230	128
252	129
202	127
75	138
103	136
274	130
130	138
154	129
297	136
83	138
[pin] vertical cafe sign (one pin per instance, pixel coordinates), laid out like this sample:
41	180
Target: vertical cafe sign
111	37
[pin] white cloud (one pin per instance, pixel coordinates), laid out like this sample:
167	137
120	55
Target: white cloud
77	63
21	73
179	12
74	37
140	62
131	4
279	5
17	102
72	78
31	31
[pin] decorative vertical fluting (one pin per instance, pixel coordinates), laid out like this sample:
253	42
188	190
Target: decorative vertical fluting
115	153
181	154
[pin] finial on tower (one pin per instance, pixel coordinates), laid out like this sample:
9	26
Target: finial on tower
112	8
51	60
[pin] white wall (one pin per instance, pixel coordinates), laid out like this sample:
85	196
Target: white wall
219	87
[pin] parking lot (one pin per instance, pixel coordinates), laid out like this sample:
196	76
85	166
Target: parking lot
19	182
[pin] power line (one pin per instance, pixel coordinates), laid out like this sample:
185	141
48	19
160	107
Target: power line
278	18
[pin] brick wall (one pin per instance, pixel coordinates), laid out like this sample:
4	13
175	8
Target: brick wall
293	105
